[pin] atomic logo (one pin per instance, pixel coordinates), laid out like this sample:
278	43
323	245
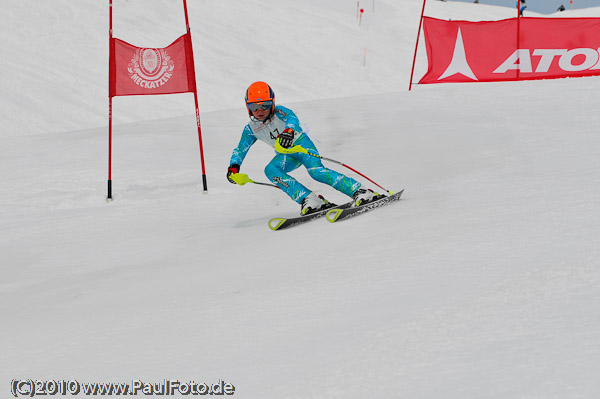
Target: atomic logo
459	62
588	59
150	68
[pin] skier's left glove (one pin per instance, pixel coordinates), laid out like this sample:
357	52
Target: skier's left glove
233	169
286	138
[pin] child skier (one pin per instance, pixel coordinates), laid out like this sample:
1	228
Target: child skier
271	124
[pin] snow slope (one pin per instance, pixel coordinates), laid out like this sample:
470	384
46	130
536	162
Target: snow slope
540	6
481	283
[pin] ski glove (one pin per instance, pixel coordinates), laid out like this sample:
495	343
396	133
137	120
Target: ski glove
232	169
286	138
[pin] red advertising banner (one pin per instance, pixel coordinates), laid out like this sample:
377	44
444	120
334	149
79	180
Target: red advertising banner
140	71
511	49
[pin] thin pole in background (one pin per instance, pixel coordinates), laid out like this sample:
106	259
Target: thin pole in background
416	46
518	39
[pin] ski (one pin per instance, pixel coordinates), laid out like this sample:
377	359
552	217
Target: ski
336	214
284	223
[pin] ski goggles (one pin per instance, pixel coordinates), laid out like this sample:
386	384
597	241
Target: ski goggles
265	105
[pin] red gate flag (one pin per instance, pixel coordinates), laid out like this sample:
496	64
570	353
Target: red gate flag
511	49
143	71
138	71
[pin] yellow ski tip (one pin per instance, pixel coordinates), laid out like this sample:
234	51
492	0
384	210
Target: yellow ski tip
333	214
276	223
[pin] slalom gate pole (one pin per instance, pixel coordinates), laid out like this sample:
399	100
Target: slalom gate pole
191	60
301	149
412	71
109	194
518	38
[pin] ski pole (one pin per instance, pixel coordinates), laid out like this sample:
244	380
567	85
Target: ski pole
298	148
242	179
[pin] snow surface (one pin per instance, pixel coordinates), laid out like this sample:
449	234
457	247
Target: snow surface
483	282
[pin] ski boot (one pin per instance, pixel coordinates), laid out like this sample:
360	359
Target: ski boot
313	203
362	196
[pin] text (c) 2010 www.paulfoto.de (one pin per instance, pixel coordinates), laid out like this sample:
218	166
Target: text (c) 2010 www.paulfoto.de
31	388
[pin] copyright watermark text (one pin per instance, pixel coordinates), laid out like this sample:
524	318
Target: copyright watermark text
31	388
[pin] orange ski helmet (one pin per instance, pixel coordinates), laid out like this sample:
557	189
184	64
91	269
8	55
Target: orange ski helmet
260	93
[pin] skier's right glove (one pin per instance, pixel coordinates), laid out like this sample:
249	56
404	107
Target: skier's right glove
232	169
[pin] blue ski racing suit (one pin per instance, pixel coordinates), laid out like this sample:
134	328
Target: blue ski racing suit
278	169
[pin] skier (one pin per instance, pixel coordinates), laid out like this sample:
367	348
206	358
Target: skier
270	123
521	7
